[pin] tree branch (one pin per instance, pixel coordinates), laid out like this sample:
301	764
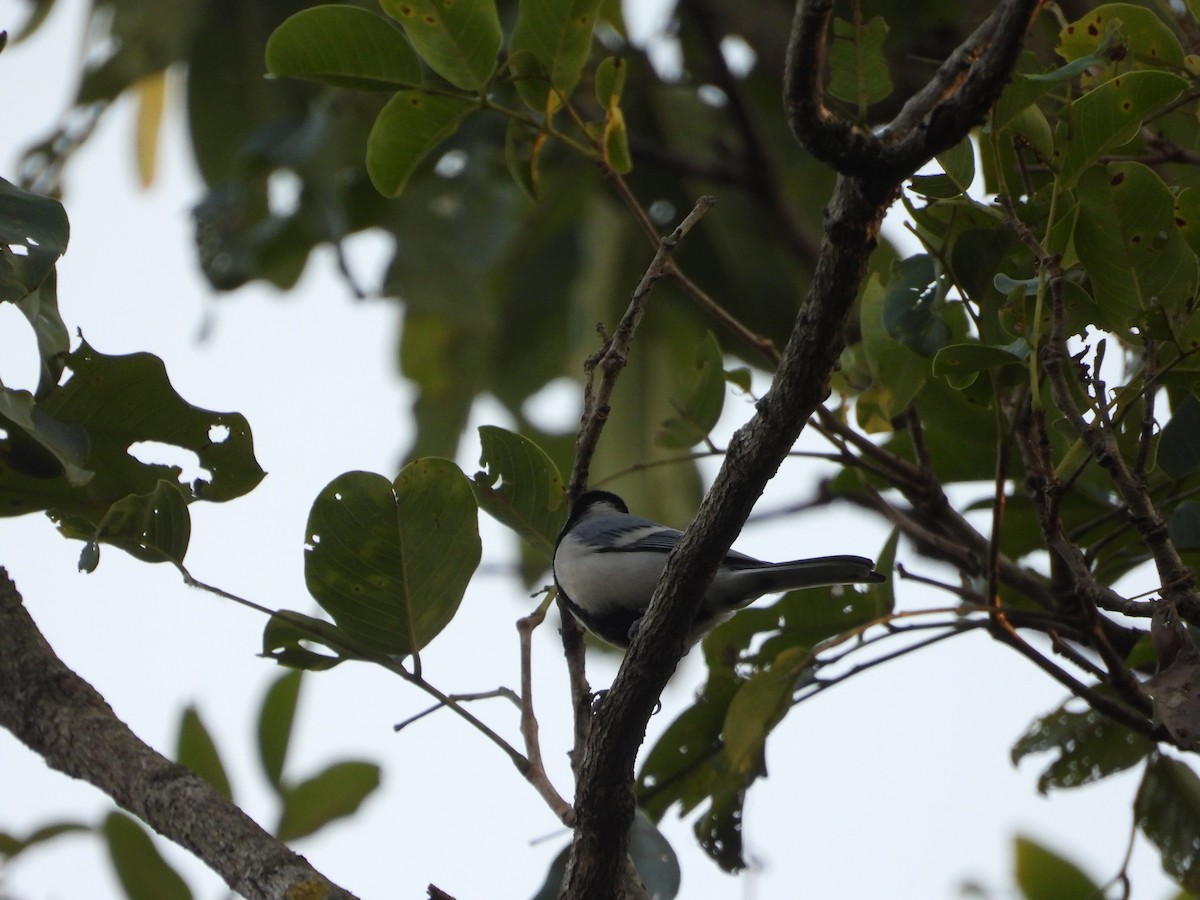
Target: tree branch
60	716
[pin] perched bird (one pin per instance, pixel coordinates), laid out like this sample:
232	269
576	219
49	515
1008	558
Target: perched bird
608	562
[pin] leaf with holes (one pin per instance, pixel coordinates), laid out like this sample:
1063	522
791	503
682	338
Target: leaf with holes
33	235
390	560
344	46
457	40
521	488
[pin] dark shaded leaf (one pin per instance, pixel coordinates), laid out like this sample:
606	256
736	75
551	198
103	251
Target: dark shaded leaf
1090	746
521	488
36	224
1168	812
287	631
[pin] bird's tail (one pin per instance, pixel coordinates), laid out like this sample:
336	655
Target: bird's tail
808	573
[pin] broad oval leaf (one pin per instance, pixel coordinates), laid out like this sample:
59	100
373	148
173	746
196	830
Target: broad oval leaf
406	129
344	46
153	527
458	40
390	561
698	399
859	72
559	35
332	794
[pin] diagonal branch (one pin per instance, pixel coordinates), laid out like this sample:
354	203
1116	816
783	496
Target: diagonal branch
61	717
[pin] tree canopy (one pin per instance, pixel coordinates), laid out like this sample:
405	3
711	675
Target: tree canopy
1016	401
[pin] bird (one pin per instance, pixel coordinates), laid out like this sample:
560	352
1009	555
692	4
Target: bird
607	563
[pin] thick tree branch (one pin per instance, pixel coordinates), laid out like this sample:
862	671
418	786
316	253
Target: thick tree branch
604	801
61	717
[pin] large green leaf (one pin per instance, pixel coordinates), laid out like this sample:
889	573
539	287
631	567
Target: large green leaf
521	488
344	46
1109	116
558	33
1130	35
36	224
1168	812
1126	238
390	560
143	873
196	750
458	40
411	125
334	793
275	720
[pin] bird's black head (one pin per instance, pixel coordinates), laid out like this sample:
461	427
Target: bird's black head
588	501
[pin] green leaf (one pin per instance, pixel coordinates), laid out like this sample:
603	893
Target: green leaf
276	717
411	125
1110	116
908	306
698	400
1118	36
559	35
1044	875
1187	216
31	428
153	527
1126	238
344	46
1167	810
1090	746
40	308
458	40
39	226
11	845
390	560
530	498
196	750
610	80
1179	444
287	631
897	372
1184	525
859	73
332	794
958	172
960	364
140	868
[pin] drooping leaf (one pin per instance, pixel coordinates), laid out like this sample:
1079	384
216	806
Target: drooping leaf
521	487
1167	809
1110	116
36	224
196	750
66	444
334	793
276	717
143	873
908	306
411	125
558	33
344	46
40	308
458	40
154	527
1042	874
958	171
287	632
390	560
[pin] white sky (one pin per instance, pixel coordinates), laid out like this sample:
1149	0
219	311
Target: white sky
895	784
